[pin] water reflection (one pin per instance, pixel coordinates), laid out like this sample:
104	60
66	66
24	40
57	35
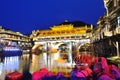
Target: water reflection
28	62
11	63
37	62
8	64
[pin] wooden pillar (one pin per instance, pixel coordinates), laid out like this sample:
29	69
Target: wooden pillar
117	46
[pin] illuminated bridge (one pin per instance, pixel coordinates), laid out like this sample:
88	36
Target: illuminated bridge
51	40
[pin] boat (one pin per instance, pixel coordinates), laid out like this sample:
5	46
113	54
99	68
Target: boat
14	76
11	51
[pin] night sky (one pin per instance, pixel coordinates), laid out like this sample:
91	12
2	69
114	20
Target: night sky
28	15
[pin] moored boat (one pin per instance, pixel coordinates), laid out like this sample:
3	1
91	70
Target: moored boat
14	76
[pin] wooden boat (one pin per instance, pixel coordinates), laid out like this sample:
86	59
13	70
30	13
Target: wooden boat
14	76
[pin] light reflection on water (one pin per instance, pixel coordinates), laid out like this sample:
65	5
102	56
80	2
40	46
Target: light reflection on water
8	64
11	63
25	62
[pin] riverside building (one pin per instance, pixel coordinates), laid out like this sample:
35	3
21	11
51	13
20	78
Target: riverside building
13	41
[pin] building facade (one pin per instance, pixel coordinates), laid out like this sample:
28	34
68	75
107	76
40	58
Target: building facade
61	32
107	34
10	39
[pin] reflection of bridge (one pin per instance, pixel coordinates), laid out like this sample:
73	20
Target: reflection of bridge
53	46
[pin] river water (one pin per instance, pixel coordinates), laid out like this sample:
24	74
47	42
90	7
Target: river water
32	63
54	62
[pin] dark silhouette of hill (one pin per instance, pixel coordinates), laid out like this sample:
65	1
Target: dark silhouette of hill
75	23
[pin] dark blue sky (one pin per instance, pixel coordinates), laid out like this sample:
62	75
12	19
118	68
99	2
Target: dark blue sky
27	15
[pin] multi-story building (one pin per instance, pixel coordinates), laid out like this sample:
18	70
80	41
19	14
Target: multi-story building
10	40
107	34
61	32
113	13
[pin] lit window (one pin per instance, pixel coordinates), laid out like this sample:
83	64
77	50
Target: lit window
118	21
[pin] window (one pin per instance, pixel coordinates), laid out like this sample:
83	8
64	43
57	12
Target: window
118	21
